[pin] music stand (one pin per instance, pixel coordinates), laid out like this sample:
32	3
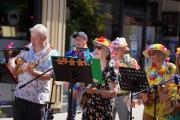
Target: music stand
71	70
133	80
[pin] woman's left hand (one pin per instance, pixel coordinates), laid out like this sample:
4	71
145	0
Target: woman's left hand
107	94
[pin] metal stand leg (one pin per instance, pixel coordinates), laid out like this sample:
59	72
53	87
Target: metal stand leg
155	100
131	117
70	102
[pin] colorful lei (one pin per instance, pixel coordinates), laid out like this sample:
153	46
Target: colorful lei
173	91
155	75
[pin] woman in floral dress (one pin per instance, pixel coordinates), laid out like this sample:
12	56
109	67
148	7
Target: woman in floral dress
100	104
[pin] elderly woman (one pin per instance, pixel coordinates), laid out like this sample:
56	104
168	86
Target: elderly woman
159	70
100	104
122	59
174	109
30	100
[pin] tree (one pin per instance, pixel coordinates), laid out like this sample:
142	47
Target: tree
85	16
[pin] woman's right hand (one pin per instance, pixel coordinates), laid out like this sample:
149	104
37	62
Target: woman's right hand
24	67
91	90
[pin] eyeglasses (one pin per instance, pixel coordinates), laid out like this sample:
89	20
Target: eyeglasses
97	47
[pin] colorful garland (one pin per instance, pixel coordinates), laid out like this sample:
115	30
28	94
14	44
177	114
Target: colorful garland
173	91
155	75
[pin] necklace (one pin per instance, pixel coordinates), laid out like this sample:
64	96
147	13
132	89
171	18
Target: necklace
155	74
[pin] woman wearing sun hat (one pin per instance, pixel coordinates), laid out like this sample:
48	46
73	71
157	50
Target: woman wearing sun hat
178	61
119	48
159	70
100	104
174	109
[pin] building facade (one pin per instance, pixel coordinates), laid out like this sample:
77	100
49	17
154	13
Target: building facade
16	18
143	22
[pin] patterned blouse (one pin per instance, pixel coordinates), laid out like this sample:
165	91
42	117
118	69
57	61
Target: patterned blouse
37	91
99	107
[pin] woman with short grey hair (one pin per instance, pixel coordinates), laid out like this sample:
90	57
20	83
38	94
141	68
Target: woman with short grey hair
30	100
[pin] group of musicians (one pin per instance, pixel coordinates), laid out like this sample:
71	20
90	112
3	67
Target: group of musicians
105	99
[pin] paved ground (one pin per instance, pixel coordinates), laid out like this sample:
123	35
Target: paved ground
62	114
59	116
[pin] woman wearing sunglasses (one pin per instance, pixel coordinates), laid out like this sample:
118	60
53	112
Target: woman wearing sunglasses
100	104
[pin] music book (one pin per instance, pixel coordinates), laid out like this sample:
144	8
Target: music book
96	70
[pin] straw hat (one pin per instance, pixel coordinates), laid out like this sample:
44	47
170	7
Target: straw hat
102	41
156	47
178	51
119	42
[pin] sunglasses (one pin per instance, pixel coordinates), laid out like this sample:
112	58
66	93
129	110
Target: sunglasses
97	47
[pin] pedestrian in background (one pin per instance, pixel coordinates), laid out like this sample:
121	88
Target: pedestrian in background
80	40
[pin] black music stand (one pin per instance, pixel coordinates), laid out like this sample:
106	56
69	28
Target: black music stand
133	80
6	76
71	70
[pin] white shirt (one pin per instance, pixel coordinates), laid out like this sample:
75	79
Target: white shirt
37	91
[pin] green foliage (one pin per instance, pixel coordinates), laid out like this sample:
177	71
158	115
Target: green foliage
2	114
85	16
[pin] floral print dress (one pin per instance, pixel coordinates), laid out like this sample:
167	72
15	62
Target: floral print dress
100	108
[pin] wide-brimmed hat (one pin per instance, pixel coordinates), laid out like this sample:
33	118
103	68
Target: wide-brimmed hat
102	41
119	42
178	51
156	47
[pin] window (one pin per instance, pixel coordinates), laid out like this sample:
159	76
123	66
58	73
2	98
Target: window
16	17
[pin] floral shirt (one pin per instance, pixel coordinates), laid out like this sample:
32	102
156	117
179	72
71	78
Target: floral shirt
37	91
99	107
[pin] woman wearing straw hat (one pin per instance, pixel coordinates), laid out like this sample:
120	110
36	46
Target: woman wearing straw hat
122	59
174	110
159	70
100	104
178	61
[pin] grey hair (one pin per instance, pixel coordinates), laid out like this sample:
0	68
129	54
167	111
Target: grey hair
107	52
41	29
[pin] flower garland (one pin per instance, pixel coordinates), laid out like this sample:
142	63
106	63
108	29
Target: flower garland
155	75
173	91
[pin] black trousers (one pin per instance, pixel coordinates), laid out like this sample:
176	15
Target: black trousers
26	110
